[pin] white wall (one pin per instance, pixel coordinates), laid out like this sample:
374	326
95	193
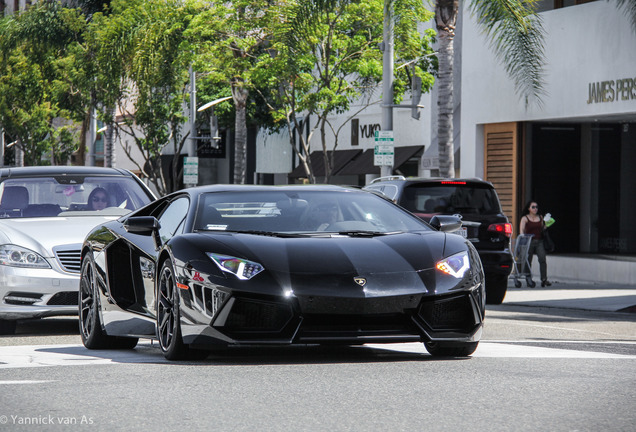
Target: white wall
406	130
585	44
273	152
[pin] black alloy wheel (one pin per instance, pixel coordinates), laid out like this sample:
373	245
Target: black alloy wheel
169	318
91	332
451	349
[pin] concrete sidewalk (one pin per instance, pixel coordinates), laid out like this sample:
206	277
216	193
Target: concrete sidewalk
575	294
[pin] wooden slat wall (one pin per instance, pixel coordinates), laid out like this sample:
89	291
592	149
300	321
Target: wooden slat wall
500	158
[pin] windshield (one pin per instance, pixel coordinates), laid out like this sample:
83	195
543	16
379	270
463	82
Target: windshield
87	196
302	212
450	199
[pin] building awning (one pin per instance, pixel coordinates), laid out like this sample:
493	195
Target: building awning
341	158
363	163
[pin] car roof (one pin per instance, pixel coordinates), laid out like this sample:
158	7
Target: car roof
41	171
216	188
437	180
264	188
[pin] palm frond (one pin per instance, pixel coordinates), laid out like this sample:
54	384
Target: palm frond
517	37
629	6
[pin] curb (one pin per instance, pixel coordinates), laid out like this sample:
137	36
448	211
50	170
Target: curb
575	294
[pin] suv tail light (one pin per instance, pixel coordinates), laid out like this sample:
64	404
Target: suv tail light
502	228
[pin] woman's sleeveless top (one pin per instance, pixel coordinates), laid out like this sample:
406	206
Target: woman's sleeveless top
535	228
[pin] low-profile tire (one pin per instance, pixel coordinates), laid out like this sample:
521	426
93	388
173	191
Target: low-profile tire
169	318
90	325
7	327
496	287
443	349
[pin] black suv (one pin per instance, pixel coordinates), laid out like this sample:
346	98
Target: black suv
476	202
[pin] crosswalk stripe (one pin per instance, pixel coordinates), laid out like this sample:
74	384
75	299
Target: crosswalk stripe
25	356
512	350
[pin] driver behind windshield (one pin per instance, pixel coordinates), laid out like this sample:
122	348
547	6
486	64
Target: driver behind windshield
98	199
320	215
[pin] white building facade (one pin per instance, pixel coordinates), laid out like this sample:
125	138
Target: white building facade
573	153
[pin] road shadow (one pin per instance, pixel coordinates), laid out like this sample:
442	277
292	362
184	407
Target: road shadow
147	353
52	326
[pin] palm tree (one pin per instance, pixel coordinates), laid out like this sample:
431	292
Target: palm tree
516	36
240	94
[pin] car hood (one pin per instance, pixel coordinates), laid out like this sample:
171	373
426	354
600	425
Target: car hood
42	234
399	262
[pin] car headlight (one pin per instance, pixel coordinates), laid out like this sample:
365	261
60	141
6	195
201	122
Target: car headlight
455	265
17	256
241	268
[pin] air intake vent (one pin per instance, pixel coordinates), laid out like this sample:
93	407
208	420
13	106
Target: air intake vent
65	298
70	259
253	315
450	313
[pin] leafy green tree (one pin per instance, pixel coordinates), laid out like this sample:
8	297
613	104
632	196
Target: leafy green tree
143	57
88	81
37	86
90	7
231	37
323	55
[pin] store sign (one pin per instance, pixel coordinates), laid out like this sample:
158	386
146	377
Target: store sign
430	162
369	130
612	91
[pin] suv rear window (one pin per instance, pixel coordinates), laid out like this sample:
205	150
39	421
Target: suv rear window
450	198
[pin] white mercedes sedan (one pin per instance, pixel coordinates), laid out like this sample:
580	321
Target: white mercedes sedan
45	213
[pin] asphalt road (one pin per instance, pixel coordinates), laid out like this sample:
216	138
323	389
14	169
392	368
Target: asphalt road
536	369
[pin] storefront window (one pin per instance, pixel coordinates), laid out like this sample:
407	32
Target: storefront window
583	175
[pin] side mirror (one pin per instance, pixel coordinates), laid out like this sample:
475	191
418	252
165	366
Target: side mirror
446	223
143	225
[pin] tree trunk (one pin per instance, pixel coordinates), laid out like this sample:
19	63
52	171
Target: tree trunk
19	154
446	17
325	153
80	158
110	156
239	93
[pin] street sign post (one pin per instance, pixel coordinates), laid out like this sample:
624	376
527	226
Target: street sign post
191	171
384	151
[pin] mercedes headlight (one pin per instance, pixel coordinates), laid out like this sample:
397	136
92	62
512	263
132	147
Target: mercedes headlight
241	268
17	256
455	265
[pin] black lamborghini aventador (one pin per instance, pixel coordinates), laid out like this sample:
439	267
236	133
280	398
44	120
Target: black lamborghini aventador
252	265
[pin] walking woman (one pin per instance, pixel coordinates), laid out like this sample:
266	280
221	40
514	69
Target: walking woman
532	223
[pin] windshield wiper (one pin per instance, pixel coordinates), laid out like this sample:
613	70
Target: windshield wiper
364	233
265	233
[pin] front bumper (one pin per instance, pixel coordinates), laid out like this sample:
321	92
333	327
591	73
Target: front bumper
456	317
36	293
